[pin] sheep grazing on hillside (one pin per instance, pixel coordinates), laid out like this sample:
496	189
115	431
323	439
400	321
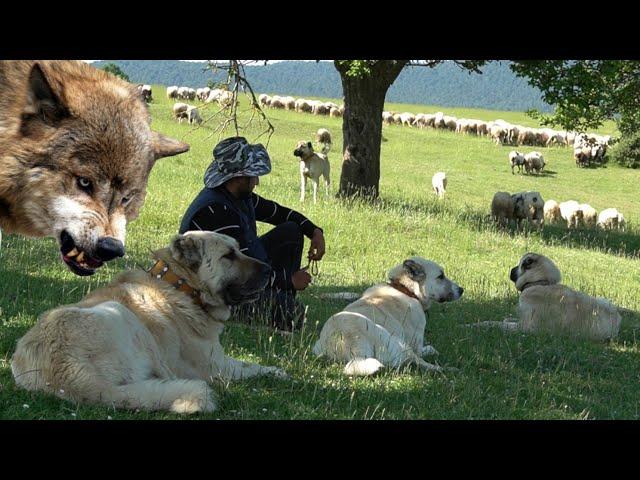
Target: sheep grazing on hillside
552	212
172	92
572	214
611	218
533	162
589	215
439	183
323	138
516	159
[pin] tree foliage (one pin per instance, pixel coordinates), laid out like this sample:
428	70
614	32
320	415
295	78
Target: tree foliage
115	70
586	93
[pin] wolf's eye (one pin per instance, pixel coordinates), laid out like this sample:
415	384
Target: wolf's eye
84	184
126	200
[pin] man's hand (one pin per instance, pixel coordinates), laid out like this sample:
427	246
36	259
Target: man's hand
316	250
300	279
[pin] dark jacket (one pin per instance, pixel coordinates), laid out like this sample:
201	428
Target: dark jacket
217	210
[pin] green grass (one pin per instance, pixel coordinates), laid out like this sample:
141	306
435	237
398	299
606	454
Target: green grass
500	376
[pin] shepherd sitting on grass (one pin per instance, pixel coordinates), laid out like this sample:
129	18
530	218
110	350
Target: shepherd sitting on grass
228	205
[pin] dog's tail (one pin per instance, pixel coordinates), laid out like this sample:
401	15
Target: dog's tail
325	147
363	366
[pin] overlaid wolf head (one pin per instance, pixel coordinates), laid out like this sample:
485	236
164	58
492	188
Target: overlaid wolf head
76	150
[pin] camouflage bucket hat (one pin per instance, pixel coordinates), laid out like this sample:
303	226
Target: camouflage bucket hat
235	157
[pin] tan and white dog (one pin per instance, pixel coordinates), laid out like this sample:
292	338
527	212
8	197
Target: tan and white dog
546	305
312	166
385	327
148	340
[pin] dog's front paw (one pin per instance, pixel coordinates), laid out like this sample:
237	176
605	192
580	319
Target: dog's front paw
195	403
429	350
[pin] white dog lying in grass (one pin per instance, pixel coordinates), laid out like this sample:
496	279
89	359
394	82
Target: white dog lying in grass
385	327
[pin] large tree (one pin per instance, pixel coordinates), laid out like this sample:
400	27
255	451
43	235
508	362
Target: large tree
364	85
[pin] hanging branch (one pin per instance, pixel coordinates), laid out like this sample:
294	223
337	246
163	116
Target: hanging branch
236	80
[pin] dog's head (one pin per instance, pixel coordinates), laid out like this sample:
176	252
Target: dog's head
303	149
85	140
230	276
534	268
426	280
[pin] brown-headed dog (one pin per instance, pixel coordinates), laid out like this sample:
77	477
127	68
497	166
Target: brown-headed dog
548	306
75	155
312	166
148	340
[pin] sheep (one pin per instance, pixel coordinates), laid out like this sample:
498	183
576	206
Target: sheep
289	103
264	99
320	109
323	137
407	118
482	128
396	119
499	134
528	206
582	156
213	95
533	161
180	111
225	99
335	112
439	183
172	92
556	137
589	215
611	218
302	105
145	92
552	212
571	213
450	123
516	159
438	121
502	208
387	117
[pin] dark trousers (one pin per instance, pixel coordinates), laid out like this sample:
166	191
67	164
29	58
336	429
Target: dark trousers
277	305
284	245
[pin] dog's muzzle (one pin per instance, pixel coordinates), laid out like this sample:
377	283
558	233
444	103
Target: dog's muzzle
514	274
236	294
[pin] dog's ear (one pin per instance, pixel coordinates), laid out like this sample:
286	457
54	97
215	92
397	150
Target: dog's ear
309	145
164	146
42	104
187	250
415	270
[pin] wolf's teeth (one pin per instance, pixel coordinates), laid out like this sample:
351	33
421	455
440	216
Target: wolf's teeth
73	252
80	257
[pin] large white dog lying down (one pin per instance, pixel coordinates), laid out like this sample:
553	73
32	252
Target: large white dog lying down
385	327
548	306
148	340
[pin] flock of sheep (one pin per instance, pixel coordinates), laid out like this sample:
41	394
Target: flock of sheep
315	107
530	206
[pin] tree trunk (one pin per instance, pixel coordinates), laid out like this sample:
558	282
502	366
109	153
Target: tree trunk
364	96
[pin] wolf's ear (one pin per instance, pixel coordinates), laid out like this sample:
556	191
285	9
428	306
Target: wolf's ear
186	250
42	103
166	147
415	270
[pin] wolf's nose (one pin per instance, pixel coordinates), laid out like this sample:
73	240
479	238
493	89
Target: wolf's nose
109	248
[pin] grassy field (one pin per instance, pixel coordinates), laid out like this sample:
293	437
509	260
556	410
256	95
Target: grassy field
500	376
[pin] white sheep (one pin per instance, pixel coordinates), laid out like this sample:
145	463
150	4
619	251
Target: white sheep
439	183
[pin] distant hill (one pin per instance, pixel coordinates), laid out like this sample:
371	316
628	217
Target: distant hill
446	85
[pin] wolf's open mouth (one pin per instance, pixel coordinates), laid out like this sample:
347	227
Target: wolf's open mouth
78	261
